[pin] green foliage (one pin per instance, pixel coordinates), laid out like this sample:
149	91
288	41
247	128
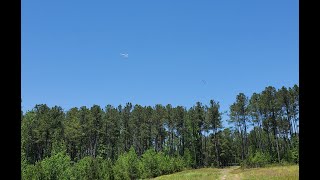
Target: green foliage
149	164
92	168
127	166
82	169
187	158
33	172
84	143
163	164
167	164
294	155
57	166
105	168
154	164
258	159
58	147
178	164
294	152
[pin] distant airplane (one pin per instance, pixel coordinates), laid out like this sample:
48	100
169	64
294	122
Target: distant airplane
204	82
125	55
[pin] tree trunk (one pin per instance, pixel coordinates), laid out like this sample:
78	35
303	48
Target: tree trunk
278	153
216	150
245	139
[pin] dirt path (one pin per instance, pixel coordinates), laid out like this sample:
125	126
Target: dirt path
225	173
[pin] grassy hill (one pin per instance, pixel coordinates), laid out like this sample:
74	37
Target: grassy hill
236	173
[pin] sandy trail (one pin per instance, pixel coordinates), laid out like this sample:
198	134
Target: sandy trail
225	173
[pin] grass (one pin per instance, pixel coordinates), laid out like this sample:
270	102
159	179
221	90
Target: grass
272	173
193	174
290	172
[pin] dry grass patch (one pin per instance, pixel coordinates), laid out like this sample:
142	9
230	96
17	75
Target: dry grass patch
236	173
272	173
193	174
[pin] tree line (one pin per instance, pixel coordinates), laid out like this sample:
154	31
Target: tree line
134	141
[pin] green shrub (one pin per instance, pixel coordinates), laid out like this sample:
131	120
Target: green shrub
162	164
89	168
33	172
258	159
81	169
57	166
149	164
127	166
187	158
155	164
105	168
294	155
179	164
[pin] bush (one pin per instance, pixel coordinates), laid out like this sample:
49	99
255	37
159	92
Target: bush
54	167
187	158
294	155
162	164
259	159
92	168
149	164
105	168
33	172
81	169
57	166
178	163
127	166
155	164
166	163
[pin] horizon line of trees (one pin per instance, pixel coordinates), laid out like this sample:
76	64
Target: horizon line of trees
106	139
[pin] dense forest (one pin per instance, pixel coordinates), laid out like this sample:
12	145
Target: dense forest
134	141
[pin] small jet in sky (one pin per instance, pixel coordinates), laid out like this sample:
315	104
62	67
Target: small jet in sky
125	55
204	82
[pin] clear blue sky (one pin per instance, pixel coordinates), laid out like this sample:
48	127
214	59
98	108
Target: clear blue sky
71	51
